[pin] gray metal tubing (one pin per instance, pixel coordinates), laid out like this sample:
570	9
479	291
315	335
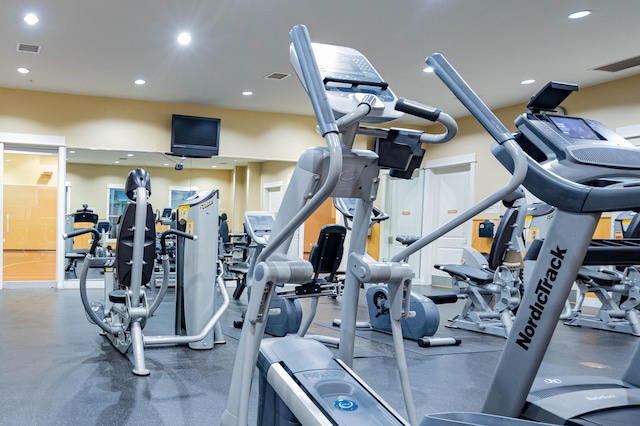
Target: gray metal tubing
545	294
519	173
469	99
351	291
403	370
163	287
450	126
252	332
85	300
353	117
313	79
178	340
333	175
445	119
139	368
309	319
137	255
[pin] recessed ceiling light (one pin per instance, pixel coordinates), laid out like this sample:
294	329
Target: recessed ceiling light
166	164
139	82
579	14
129	155
247	93
23	70
72	152
428	69
214	167
116	162
31	19
530	81
184	38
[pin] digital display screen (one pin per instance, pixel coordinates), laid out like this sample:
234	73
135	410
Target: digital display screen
262	223
575	128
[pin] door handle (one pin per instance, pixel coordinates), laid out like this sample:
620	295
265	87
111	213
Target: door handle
7	224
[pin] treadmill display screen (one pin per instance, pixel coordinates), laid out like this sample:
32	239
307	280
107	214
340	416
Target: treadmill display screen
575	128
260	224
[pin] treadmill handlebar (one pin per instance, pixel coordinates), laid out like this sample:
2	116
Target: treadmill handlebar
301	43
468	97
165	234
94	242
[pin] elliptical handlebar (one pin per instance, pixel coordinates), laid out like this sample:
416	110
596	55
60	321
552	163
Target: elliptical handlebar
313	80
94	242
498	131
468	97
417	109
301	46
430	113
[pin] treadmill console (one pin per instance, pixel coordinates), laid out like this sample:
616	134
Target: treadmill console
259	226
348	79
577	150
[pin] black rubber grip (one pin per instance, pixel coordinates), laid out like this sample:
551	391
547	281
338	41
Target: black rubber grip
441	299
417	109
94	231
165	234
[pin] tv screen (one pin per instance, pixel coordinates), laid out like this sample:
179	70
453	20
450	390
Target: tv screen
194	136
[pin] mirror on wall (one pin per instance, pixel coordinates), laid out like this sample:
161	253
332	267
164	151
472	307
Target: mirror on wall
148	159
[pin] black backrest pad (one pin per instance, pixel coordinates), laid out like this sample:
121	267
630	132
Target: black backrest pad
124	246
633	230
502	238
326	254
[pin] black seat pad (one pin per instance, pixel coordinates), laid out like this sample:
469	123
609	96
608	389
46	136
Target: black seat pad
478	276
600	278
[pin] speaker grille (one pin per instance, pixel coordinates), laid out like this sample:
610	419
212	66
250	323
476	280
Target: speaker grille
612	157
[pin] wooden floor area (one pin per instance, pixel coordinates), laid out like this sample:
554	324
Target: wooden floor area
22	265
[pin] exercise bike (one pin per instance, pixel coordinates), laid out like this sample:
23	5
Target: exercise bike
424	318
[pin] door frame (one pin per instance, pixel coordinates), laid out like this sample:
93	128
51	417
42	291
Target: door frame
429	207
34	143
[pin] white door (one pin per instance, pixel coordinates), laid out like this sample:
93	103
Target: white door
450	192
403	202
272	200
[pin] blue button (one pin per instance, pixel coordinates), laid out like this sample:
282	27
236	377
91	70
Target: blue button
345	405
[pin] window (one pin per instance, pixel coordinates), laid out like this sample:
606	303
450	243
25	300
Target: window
117	201
179	195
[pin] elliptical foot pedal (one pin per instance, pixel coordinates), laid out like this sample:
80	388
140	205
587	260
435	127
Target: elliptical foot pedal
118	296
98	309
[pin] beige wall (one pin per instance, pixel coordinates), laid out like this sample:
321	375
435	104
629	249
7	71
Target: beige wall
106	123
87	122
616	104
89	184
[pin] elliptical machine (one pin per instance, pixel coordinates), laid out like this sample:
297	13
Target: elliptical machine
127	309
300	380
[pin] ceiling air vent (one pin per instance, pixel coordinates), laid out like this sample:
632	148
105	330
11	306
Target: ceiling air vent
277	76
28	48
625	64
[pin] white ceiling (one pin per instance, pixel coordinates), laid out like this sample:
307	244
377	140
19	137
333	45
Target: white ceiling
101	47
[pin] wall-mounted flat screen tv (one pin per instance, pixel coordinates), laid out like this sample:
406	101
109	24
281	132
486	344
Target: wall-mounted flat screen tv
195	136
